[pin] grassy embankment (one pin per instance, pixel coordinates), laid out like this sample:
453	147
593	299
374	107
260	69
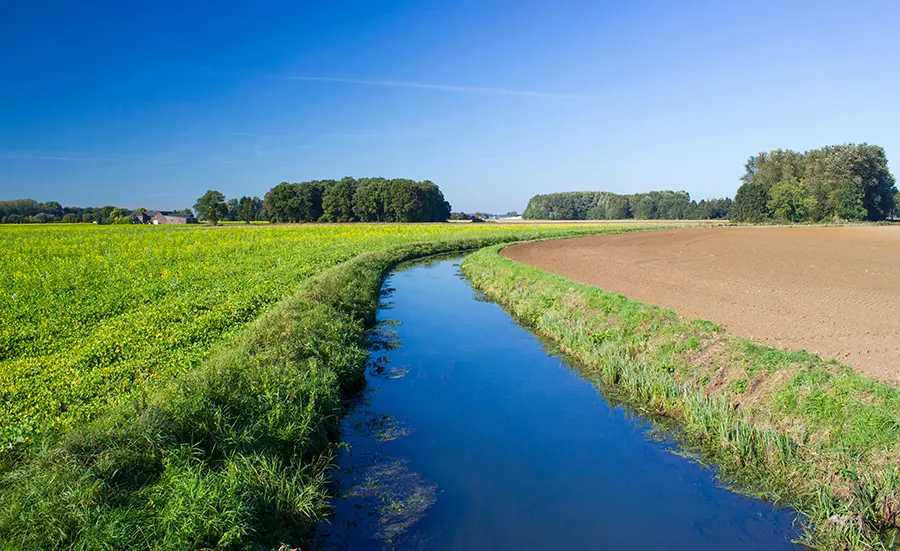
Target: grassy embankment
231	454
786	426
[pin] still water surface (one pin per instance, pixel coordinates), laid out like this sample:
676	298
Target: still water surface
471	437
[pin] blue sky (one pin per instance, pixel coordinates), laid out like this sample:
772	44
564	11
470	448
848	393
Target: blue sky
152	103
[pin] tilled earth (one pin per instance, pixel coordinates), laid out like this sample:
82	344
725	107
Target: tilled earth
834	291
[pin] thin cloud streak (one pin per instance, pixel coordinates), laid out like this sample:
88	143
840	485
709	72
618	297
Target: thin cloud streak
430	86
360	135
38	157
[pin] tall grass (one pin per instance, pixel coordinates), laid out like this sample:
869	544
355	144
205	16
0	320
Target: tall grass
786	426
233	455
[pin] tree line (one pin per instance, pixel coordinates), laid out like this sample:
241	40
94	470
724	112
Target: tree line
604	205
29	211
357	200
845	182
345	200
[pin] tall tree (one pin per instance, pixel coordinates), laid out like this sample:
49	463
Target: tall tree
790	201
337	201
232	205
281	203
849	201
246	210
211	207
751	203
309	200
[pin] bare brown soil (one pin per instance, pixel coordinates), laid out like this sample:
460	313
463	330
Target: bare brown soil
833	291
626	222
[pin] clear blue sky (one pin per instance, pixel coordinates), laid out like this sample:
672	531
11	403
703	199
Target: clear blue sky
152	103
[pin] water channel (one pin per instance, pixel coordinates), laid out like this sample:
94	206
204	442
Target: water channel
470	436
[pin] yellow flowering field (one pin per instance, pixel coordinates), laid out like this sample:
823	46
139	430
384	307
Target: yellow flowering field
91	314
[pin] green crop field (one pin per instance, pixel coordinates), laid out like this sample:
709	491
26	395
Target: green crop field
181	387
90	314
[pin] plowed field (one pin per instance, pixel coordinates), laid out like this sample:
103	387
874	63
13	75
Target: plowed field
834	291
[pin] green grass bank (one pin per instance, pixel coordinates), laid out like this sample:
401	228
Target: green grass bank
231	455
785	426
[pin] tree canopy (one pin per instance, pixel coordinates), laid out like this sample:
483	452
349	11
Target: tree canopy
21	211
351	200
603	205
246	209
848	182
211	207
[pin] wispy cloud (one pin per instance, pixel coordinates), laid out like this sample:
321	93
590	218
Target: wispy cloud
431	86
16	156
157	158
248	135
359	135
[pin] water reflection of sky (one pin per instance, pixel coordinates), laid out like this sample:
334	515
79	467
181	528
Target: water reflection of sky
471	437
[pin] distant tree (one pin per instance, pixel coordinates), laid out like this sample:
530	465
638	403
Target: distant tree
512	214
43	218
337	201
52	208
790	201
309	201
644	207
768	168
123	220
368	200
895	213
71	218
603	205
348	200
185	211
16	219
867	165
849	201
246	210
211	207
751	203
18	207
826	172
232	205
617	208
118	213
281	203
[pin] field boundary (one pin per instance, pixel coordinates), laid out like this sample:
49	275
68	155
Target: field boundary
785	426
233	455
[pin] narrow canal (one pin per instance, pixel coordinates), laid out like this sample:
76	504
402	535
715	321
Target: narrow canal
471	436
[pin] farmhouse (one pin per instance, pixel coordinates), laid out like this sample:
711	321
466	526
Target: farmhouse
172	218
140	218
